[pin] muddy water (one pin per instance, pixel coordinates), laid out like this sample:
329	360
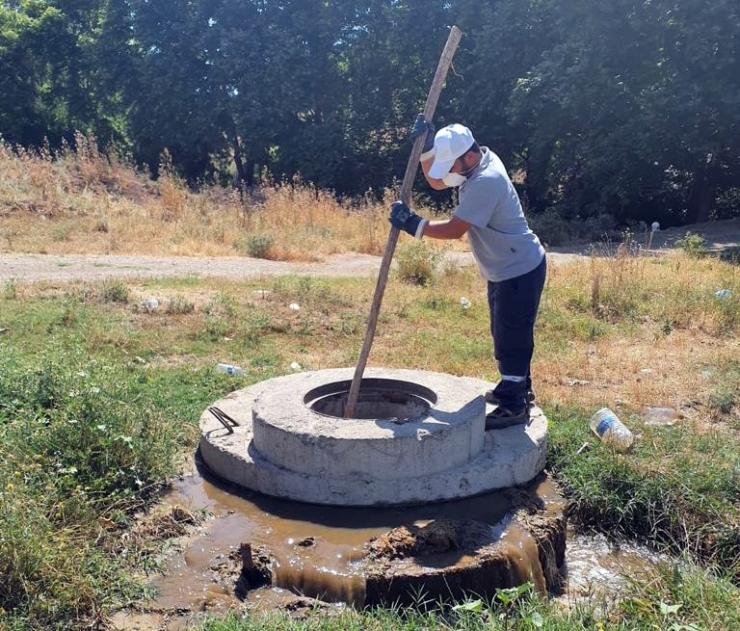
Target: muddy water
317	550
596	566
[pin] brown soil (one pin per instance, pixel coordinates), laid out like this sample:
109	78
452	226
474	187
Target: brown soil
64	268
52	267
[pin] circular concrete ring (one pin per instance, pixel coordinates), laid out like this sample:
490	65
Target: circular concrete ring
509	457
435	425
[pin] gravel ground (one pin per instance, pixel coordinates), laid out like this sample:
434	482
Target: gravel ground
718	235
44	267
63	268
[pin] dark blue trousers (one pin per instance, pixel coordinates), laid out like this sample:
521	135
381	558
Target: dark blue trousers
513	306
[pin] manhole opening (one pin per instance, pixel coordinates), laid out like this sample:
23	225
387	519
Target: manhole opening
377	399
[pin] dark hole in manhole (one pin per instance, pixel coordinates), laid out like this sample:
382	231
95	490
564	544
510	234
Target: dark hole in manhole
377	399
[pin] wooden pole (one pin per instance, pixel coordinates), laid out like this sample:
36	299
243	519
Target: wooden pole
443	66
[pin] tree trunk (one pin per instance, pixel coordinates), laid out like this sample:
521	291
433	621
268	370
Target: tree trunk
242	175
702	193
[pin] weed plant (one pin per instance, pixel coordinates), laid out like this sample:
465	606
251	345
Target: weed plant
258	246
693	245
417	262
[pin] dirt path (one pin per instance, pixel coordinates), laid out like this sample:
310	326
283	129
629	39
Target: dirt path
63	268
37	267
718	235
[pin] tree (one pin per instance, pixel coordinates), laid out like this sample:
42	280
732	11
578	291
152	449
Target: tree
49	71
600	106
694	105
172	96
615	113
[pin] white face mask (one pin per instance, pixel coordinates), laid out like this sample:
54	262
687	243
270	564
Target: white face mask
453	179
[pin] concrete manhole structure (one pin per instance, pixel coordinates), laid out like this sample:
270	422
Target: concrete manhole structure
415	437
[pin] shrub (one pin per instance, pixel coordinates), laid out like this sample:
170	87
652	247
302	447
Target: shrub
692	245
550	227
115	292
180	306
259	245
417	262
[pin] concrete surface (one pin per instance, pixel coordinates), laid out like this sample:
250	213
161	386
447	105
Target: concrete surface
283	448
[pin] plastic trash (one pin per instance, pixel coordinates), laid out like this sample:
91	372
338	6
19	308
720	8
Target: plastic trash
150	304
610	430
229	369
465	303
295	366
659	416
294	306
722	293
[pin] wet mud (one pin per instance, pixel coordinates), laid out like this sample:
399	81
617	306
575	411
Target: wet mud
259	553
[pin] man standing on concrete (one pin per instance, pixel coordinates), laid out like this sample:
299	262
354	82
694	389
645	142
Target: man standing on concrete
509	255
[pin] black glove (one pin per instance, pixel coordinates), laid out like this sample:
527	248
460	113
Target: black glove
420	127
403	218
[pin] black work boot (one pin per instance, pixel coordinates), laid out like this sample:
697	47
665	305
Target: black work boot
491	397
512	401
504	417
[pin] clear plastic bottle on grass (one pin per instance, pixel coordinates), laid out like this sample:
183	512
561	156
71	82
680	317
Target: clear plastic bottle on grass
659	416
229	369
610	430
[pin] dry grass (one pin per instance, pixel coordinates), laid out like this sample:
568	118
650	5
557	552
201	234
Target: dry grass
615	329
640	331
83	202
663	340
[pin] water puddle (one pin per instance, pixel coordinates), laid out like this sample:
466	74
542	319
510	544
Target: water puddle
317	551
596	566
316	548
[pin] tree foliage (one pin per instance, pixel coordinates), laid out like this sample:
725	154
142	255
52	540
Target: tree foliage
627	108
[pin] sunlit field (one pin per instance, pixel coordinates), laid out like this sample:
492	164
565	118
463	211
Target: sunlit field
100	396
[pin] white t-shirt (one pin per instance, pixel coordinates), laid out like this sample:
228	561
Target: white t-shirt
502	243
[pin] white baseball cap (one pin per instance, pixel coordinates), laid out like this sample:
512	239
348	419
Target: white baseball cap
449	144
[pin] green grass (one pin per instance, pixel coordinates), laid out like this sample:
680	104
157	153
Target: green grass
82	441
685	599
662	491
100	399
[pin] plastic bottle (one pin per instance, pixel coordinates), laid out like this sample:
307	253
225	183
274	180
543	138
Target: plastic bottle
659	416
605	424
229	369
